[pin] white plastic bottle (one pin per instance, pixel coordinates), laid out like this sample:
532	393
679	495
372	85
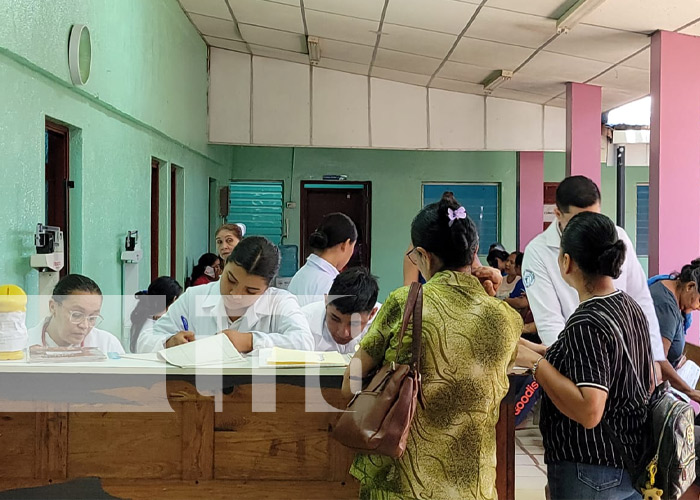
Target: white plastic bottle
13	327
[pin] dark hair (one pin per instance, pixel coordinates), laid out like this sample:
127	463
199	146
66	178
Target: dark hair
334	229
159	296
456	243
690	273
234	228
72	283
519	259
577	191
357	291
206	260
592	241
496	254
497	246
258	256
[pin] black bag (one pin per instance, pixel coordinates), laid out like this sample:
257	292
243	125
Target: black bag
667	468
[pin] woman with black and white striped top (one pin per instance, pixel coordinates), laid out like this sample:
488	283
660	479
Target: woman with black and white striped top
585	374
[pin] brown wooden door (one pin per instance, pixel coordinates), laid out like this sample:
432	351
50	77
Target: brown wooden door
155	216
354	199
550	197
57	175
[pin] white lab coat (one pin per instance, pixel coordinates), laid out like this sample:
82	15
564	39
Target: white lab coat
274	320
316	315
101	339
553	301
313	280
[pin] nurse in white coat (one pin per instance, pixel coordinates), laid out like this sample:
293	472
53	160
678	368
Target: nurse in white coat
552	301
241	305
340	321
75	308
333	244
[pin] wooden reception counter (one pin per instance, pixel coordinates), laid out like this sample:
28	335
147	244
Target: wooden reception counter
150	432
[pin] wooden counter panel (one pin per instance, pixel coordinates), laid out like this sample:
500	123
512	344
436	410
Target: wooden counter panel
125	445
17	441
288	444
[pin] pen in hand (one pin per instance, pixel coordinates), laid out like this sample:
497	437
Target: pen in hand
185	325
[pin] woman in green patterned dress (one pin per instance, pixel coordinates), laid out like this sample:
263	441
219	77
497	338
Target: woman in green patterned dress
469	344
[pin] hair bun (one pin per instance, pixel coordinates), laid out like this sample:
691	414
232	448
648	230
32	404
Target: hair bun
611	260
318	240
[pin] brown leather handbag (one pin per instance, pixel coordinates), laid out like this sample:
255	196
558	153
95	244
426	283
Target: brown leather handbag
378	418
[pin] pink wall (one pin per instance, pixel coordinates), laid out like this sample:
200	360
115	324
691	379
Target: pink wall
531	193
674	170
583	119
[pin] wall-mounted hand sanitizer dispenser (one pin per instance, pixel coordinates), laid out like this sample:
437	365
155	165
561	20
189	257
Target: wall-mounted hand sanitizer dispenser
49	259
131	256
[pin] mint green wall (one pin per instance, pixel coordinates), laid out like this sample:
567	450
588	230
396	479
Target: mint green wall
147	97
396	188
554	167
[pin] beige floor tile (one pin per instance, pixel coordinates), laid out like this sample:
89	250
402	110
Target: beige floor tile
531	482
534	494
528	471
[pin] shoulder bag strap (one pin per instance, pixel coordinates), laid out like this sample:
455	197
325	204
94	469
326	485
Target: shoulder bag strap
414	303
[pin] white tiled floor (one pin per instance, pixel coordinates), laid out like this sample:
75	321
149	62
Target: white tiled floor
530	469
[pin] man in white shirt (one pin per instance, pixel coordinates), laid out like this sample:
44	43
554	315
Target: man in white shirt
340	322
553	301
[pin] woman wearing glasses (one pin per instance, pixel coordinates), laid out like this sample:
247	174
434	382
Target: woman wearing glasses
75	314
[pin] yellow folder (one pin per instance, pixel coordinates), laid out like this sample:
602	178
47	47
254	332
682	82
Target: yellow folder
282	356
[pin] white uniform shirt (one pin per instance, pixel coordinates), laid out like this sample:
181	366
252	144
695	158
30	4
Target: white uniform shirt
553	301
274	320
316	315
313	280
101	339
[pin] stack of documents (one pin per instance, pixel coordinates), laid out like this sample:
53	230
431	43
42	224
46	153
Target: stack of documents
280	357
216	350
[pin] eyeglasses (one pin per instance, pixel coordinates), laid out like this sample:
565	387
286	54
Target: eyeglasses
77	317
409	255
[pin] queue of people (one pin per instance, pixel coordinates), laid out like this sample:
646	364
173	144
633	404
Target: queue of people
578	287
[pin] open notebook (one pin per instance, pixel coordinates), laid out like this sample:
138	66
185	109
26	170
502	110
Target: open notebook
214	350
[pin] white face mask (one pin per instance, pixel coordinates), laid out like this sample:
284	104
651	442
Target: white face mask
209	271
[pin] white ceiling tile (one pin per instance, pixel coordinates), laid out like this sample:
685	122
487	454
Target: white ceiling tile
601	44
216	27
519	96
640	61
213	8
446	16
544	8
268	14
347	29
457	86
490	54
613	98
406	62
294	3
456	120
559	102
693	29
400	76
464	72
365	9
273	38
229	97
554	128
222	43
536	85
513	125
644	16
624	78
348	67
345	51
285	55
416	41
512	27
565	68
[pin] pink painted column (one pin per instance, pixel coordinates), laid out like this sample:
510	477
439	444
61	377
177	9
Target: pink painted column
674	170
530	196
583	119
